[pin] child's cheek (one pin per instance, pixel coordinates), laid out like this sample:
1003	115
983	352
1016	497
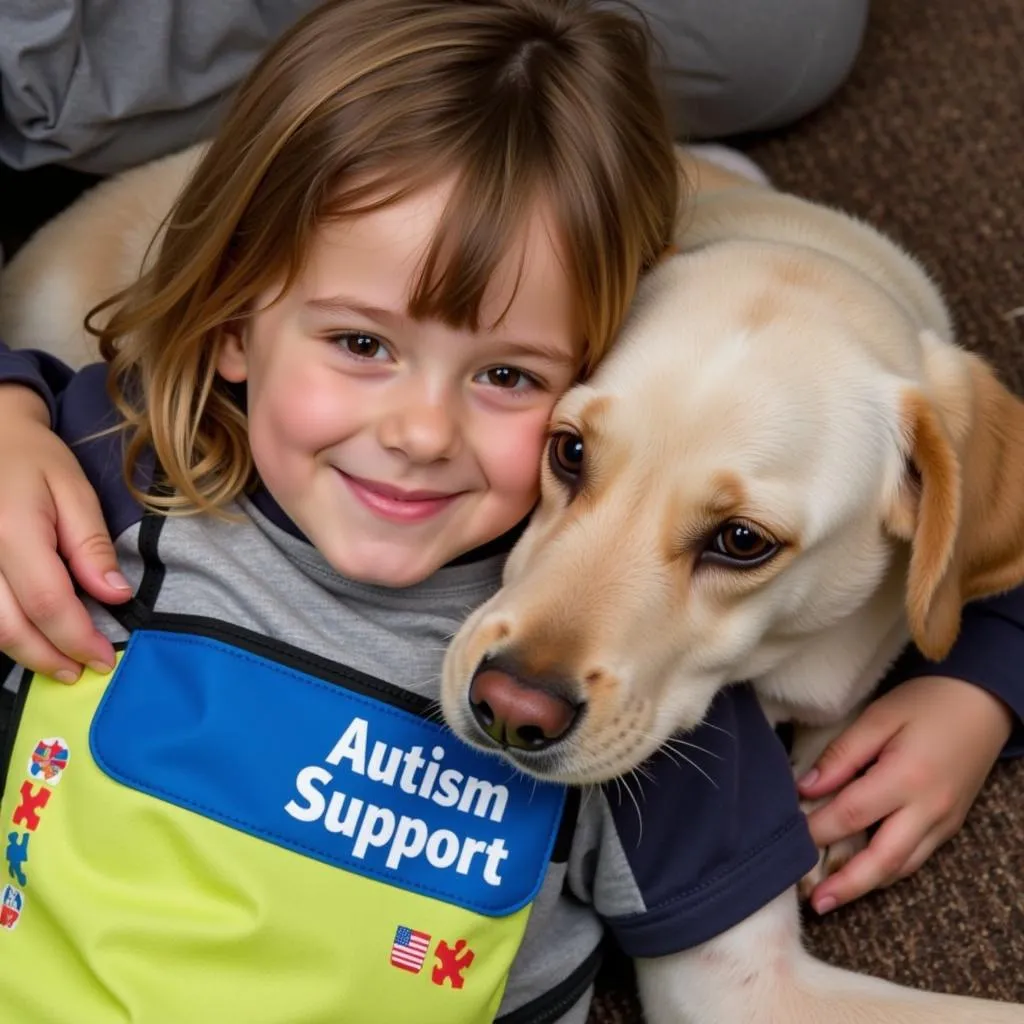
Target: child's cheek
514	466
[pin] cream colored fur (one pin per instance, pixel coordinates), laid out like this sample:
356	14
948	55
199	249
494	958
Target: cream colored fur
92	250
786	367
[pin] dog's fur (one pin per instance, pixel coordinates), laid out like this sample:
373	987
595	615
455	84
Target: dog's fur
90	251
790	370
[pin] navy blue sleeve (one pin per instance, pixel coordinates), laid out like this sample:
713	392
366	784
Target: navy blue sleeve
87	420
80	408
989	653
716	831
43	373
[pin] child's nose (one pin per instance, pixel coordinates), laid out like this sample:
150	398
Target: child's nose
424	429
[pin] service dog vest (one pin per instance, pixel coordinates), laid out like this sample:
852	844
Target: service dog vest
225	828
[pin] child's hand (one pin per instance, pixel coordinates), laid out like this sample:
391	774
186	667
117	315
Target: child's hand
49	515
933	741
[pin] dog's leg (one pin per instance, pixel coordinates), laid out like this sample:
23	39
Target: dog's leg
809	743
759	973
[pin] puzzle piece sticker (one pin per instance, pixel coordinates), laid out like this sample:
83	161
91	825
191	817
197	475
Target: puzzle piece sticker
17	854
49	760
12	901
451	963
32	802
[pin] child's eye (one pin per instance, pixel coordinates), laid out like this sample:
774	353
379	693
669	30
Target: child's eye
360	345
508	378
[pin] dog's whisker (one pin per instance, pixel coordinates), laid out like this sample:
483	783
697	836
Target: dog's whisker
668	747
618	780
717	728
672	755
672	741
689	760
693	764
434	713
588	789
636	804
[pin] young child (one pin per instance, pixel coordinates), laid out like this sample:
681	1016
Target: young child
318	428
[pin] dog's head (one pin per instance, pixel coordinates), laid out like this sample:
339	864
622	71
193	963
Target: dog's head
773	451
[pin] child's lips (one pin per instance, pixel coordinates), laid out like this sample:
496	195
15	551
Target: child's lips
396	503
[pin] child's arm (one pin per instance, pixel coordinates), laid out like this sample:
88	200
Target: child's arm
929	744
48	511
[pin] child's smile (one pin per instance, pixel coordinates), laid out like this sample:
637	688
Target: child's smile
394	503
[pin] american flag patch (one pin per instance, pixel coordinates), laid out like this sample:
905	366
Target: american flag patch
409	949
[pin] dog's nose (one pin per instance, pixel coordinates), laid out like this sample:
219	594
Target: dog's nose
518	712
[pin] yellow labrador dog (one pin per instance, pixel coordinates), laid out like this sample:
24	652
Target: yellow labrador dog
781	472
784	470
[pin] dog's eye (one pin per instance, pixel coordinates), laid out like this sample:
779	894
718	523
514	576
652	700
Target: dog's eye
565	456
739	544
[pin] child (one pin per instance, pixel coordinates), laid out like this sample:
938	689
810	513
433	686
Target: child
318	429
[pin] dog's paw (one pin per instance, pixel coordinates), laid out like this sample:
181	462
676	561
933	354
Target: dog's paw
830	858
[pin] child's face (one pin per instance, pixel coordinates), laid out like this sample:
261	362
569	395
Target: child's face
394	444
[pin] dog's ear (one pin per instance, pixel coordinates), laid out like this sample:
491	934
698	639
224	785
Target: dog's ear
961	502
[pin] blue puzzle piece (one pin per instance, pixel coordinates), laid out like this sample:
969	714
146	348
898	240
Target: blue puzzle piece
17	854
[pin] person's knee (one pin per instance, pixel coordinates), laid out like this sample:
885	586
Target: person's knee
740	66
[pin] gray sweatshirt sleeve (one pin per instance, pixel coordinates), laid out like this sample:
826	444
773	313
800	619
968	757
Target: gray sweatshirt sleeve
100	85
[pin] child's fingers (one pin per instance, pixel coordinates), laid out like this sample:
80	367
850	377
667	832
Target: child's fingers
849	752
22	641
856	807
928	845
43	624
83	538
880	864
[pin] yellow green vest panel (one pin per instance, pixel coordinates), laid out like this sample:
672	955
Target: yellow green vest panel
213	834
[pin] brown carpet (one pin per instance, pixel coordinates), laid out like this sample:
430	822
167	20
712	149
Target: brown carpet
926	141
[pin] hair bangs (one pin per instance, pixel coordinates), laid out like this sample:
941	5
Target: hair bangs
485	221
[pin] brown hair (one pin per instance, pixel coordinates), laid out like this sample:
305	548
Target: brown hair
359	104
